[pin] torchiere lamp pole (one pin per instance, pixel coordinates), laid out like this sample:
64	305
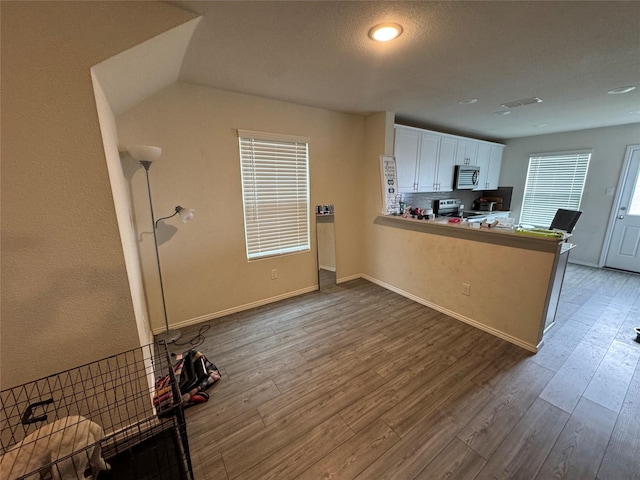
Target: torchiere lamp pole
142	153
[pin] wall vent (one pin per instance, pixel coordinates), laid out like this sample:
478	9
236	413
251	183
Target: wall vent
522	103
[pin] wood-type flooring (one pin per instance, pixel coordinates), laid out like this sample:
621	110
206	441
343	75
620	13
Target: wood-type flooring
357	382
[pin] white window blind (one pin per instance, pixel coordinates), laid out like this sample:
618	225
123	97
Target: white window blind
275	192
553	181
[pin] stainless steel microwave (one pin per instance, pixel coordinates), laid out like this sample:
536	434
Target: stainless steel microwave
466	177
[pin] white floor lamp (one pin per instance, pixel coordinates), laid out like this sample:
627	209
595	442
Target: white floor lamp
146	154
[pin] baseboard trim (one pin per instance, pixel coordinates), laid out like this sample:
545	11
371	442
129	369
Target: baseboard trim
240	308
349	278
457	316
586	264
422	301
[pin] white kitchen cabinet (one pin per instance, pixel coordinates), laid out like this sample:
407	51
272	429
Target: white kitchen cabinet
436	164
490	162
466	152
493	173
406	152
428	162
424	160
483	159
446	164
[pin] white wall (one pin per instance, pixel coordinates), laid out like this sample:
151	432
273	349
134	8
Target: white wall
204	266
609	147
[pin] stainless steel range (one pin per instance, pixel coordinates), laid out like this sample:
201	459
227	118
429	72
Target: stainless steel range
447	207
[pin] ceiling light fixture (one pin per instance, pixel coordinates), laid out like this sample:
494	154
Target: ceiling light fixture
385	32
635	112
502	112
522	103
626	89
467	101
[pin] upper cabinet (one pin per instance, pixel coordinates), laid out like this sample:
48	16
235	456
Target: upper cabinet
466	152
426	160
407	150
490	161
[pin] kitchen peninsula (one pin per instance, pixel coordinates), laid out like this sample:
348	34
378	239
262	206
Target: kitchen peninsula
502	282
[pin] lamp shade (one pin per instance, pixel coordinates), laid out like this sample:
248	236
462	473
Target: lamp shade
186	214
147	153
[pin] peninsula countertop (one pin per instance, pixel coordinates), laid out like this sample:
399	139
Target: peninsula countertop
465	230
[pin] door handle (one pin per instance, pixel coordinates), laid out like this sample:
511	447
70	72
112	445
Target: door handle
620	217
623	208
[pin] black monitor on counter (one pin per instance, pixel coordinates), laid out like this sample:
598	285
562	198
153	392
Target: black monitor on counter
565	220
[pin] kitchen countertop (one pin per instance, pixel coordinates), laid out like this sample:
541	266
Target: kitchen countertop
479	215
485	212
464	230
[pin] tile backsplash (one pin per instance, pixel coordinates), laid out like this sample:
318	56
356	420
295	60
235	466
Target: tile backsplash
425	200
467	197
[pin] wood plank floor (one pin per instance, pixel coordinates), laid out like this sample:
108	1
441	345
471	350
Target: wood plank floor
357	382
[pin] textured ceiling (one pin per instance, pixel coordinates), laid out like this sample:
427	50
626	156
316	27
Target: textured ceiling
318	53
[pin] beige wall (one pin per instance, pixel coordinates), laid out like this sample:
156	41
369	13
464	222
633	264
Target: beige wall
65	295
204	266
121	199
609	146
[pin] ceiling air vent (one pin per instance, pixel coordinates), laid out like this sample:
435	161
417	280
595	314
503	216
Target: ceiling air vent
522	103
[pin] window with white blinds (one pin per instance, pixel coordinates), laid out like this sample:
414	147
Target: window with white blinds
553	181
275	192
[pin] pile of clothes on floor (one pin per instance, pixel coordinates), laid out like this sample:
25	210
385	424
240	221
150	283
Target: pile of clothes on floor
194	374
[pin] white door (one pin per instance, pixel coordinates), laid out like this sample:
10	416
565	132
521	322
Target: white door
624	248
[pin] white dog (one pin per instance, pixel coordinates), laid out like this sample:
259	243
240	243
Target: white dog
52	442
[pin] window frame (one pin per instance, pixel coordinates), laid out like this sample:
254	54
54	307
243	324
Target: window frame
274	172
541	198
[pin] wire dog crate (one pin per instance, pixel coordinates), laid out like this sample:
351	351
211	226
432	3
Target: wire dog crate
117	418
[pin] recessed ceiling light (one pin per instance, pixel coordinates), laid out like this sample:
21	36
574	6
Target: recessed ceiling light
541	125
502	112
467	101
385	32
627	89
635	112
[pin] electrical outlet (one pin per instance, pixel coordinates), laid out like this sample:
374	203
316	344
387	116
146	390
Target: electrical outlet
466	289
274	273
